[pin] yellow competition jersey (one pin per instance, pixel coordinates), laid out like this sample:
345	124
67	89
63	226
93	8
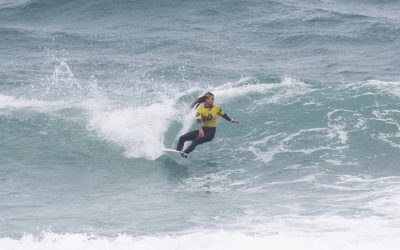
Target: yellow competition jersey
208	116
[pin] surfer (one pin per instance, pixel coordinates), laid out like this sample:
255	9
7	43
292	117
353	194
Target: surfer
206	115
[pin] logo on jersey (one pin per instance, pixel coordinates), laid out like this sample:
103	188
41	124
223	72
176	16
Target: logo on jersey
208	117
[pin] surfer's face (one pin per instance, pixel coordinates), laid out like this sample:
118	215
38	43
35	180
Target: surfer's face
210	100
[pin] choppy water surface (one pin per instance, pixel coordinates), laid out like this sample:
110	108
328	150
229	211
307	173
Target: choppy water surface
92	91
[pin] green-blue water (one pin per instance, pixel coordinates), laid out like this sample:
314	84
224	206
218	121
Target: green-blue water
92	91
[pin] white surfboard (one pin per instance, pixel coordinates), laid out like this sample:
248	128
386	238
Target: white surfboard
175	156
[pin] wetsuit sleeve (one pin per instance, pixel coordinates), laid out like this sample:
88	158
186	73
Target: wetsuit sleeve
198	119
224	115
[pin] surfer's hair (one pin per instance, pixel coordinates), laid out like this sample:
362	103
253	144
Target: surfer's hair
201	99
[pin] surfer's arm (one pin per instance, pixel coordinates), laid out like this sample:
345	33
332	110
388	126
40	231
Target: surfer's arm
226	117
199	124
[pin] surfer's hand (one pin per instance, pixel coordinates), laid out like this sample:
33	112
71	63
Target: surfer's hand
201	132
235	121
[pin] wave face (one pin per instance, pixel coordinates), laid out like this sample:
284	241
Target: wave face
92	91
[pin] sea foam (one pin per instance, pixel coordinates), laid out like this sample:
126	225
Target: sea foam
219	240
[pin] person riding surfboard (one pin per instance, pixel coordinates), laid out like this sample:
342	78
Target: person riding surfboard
206	115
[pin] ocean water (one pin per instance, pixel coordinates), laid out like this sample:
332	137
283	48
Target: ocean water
92	91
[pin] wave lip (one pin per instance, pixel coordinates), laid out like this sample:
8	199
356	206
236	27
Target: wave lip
283	90
140	130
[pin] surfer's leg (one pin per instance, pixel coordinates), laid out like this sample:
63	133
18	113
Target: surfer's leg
208	136
190	136
193	145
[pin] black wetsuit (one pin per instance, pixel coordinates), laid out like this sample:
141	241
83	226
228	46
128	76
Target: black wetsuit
209	131
196	140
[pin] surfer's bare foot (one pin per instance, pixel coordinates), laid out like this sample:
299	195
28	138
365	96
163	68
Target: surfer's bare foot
183	154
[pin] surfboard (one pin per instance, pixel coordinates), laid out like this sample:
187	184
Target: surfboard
175	156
